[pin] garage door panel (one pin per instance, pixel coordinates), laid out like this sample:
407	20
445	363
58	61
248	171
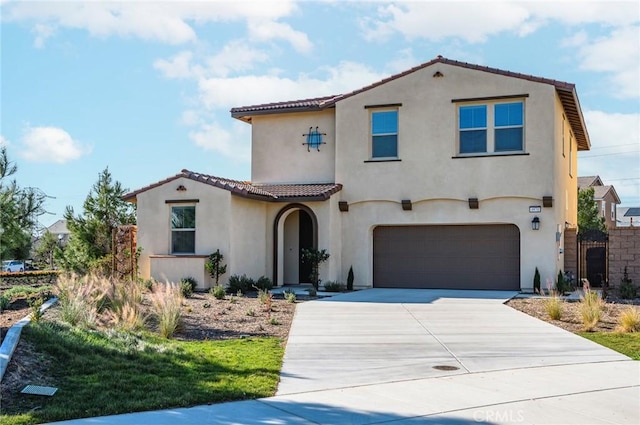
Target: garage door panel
456	257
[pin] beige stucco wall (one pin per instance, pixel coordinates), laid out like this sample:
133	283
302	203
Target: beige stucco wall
213	216
438	184
248	230
278	154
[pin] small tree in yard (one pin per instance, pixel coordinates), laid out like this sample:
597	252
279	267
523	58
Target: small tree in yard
215	265
588	216
314	257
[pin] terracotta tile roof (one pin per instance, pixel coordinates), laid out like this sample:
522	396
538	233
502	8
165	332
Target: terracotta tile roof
566	93
315	103
266	192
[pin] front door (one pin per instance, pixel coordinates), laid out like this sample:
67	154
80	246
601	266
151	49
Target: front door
298	235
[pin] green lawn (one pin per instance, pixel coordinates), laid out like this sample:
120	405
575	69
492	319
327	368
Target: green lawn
625	343
104	374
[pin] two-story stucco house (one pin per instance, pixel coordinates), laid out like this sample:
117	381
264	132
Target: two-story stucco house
448	175
605	197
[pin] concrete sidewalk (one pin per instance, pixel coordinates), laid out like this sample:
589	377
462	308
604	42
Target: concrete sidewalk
368	357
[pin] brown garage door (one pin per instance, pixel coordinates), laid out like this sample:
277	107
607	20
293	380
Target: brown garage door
453	257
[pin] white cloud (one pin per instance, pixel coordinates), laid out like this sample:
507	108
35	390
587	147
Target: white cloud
271	30
42	32
178	66
617	54
438	20
3	142
51	144
169	22
231	144
615	153
576	40
255	89
435	20
236	56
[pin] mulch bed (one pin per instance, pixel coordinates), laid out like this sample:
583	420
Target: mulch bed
571	319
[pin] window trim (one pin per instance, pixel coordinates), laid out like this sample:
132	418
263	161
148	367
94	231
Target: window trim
172	229
381	109
490	104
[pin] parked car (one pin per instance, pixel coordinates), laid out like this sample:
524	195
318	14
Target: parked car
12	266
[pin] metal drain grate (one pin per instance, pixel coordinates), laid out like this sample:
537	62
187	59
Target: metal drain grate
39	390
439	367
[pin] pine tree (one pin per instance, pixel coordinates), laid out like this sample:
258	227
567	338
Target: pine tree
19	212
89	244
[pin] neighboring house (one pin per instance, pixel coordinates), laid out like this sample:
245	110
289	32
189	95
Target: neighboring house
448	175
605	196
60	231
628	216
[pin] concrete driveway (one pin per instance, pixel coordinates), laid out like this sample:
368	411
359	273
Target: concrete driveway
385	335
370	357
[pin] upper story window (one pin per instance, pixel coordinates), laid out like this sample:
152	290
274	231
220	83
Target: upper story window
491	128
473	129
183	229
613	211
509	126
384	134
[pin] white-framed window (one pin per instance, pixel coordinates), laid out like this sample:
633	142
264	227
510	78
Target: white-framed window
183	229
603	209
613	211
496	127
384	133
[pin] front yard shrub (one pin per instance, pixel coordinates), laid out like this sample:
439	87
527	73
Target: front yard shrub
627	289
591	307
263	283
536	281
218	292
36	313
4	302
314	258
187	286
554	305
81	298
350	279
290	296
561	286
331	286
629	320
242	283
166	300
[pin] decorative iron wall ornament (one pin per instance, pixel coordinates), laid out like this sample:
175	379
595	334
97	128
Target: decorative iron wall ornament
314	139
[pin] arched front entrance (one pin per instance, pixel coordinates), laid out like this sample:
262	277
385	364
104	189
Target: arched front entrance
295	228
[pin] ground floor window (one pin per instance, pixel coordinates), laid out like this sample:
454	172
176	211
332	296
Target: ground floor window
183	229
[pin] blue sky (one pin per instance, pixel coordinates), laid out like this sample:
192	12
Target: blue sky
145	87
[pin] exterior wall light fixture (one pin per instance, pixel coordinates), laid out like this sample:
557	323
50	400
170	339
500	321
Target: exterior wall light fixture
535	223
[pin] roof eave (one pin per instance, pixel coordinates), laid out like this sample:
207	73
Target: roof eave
573	111
246	115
